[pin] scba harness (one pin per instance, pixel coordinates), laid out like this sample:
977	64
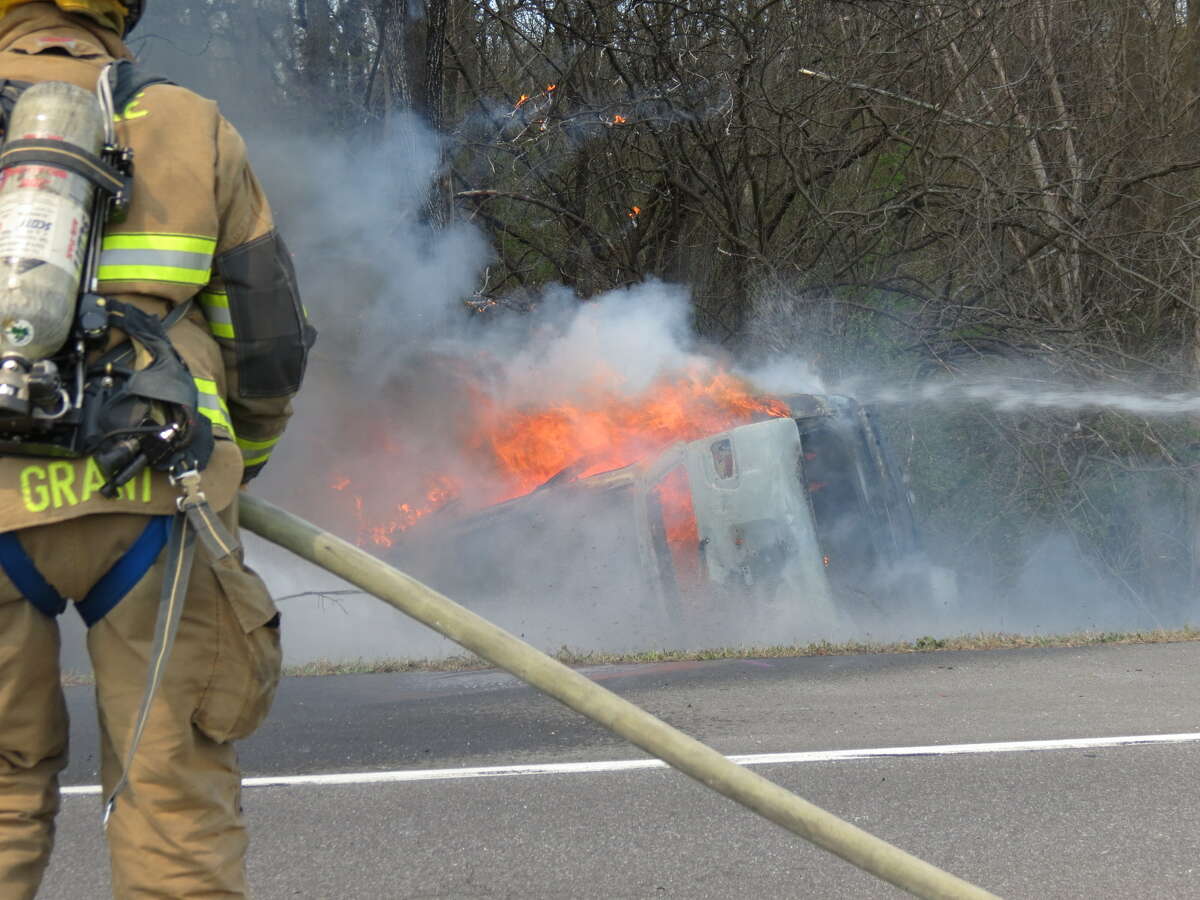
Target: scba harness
118	581
56	397
133	407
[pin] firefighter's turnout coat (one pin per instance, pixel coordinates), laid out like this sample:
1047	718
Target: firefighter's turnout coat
199	227
199	230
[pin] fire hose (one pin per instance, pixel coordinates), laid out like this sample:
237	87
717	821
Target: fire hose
623	718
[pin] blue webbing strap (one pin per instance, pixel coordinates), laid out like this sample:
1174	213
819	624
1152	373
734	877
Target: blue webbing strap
29	581
126	571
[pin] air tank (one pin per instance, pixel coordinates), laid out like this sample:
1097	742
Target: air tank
45	218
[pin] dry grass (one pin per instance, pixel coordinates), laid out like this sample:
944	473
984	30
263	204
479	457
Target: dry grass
462	663
570	657
468	662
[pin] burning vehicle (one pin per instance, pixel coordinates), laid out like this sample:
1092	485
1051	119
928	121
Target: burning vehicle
798	509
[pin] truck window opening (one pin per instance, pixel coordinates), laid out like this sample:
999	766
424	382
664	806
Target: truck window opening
829	474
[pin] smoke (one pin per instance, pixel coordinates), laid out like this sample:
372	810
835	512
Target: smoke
406	368
1046	504
1063	507
637	333
405	371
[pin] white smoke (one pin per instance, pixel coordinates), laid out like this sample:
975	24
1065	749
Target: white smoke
637	334
389	294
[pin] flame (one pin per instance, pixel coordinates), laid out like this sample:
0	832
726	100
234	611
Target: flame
601	426
617	120
607	429
525	98
634	212
683	535
379	531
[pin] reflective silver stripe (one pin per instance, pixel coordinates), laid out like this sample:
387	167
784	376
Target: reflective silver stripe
140	240
216	311
211	405
174	259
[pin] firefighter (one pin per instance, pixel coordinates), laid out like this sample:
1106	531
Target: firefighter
198	250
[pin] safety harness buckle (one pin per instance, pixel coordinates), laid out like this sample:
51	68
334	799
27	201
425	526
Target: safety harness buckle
184	473
193	505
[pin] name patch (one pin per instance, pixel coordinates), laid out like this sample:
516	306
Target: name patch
57	484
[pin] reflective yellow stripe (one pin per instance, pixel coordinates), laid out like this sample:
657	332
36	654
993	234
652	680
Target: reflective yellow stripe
215	305
252	451
174	258
216	417
173	274
214	299
212	405
247	444
183	242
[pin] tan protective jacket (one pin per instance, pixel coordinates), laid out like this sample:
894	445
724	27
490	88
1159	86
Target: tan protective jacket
199	227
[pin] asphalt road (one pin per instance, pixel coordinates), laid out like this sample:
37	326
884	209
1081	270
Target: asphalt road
1087	822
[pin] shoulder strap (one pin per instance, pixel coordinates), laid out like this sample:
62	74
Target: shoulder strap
10	90
130	80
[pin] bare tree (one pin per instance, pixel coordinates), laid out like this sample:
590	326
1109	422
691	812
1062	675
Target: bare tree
922	184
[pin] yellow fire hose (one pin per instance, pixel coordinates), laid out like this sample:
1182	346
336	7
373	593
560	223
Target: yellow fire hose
600	705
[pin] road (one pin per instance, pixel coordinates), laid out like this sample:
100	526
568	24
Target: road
1086	820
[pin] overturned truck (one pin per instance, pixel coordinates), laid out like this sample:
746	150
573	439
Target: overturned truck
806	513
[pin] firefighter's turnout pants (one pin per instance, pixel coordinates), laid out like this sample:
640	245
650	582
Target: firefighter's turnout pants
176	831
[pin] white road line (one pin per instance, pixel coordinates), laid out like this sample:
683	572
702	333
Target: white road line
756	759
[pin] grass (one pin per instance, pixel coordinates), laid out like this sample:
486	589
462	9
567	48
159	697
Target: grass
317	667
927	644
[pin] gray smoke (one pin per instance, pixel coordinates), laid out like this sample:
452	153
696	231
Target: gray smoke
396	379
403	361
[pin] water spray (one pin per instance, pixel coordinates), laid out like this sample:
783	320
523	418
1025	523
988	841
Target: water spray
1017	396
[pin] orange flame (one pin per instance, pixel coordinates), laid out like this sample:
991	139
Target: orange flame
600	428
683	535
634	212
521	102
607	430
550	88
402	516
617	120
